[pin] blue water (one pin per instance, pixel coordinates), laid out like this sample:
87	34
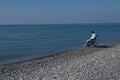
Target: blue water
21	42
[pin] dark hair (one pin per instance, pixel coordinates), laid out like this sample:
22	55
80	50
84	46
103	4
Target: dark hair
92	32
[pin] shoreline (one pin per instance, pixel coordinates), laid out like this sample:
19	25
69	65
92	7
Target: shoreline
102	45
34	69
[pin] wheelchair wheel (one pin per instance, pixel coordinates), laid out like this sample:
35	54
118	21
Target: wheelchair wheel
96	44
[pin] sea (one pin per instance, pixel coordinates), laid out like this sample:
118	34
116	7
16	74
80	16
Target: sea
24	42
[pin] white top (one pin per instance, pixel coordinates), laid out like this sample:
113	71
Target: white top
93	36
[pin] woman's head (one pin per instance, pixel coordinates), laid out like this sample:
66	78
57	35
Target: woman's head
92	32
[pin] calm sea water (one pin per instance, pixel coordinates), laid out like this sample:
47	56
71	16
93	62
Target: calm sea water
21	42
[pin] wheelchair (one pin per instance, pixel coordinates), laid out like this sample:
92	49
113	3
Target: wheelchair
92	43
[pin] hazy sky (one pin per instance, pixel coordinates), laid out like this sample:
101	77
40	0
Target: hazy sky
59	11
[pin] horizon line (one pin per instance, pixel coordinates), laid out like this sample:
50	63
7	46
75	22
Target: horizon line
62	23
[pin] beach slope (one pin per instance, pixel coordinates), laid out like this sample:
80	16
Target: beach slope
95	63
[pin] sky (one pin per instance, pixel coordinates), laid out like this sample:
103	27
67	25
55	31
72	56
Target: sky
59	11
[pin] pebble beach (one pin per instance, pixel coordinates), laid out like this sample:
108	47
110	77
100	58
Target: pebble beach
87	63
